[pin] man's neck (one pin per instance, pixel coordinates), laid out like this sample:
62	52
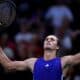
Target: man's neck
48	55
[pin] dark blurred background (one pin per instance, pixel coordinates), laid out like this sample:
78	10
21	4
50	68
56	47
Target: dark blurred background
35	19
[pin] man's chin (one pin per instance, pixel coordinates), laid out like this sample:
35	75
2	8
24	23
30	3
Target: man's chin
48	48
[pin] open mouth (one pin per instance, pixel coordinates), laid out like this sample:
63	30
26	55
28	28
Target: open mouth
48	44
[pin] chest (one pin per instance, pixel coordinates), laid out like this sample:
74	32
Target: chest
47	70
48	66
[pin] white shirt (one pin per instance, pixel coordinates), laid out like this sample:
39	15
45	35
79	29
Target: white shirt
57	14
24	37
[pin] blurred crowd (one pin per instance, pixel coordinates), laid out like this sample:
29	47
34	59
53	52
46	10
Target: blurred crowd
35	19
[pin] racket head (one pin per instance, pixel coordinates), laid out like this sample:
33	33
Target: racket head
7	13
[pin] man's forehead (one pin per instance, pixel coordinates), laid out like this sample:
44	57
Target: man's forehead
52	36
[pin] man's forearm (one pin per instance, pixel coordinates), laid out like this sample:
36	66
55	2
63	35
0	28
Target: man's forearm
11	65
4	60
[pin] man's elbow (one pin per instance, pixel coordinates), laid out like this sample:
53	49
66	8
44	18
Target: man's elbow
9	67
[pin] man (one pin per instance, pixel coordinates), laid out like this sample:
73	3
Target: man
49	67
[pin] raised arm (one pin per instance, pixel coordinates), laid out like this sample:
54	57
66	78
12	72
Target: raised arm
16	65
71	59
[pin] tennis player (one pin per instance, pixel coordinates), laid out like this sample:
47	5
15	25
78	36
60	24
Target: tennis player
48	67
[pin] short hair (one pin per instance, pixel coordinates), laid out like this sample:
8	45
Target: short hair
58	43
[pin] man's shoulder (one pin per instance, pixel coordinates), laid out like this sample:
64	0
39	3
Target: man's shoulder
32	59
66	57
66	60
31	62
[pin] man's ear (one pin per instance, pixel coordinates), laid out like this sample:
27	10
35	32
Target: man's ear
58	47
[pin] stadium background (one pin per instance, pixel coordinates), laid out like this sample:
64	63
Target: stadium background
35	19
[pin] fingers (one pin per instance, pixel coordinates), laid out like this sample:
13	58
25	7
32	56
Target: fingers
1	51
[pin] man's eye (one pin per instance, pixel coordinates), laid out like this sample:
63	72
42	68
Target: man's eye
46	39
52	39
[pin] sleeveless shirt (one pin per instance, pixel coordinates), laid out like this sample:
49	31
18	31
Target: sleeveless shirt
47	70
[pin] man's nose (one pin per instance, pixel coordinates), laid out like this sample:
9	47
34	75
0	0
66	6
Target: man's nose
48	40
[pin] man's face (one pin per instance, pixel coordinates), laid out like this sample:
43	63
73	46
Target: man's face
51	42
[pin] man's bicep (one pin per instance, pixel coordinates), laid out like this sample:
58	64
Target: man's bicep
17	65
21	65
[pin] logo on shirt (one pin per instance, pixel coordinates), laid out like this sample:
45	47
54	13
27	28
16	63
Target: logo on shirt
47	65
